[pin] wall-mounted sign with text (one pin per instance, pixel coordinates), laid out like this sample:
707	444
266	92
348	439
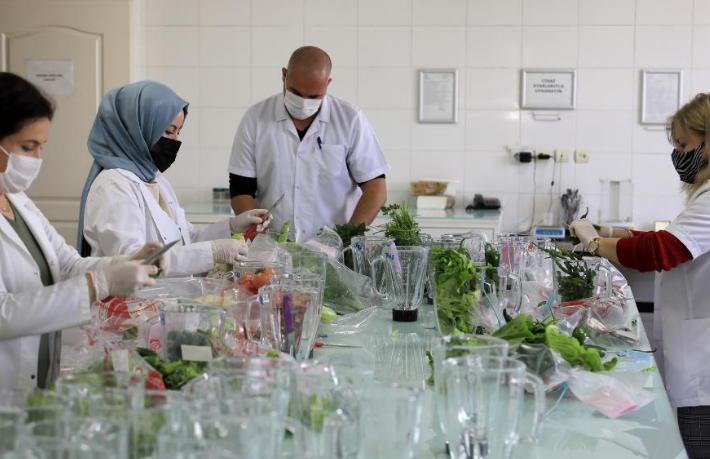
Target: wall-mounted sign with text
548	89
55	77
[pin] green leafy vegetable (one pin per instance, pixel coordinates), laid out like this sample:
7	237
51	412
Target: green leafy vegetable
348	230
456	290
492	263
575	280
346	233
525	330
575	353
336	294
328	316
401	225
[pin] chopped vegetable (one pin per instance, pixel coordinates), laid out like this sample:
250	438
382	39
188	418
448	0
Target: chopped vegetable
175	374
283	233
401	225
456	290
251	283
177	338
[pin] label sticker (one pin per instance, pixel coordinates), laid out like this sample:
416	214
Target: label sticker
196	353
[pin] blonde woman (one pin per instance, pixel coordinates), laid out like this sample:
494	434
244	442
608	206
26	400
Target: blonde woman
681	253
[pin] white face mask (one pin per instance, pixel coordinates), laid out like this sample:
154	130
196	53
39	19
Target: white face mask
19	173
299	107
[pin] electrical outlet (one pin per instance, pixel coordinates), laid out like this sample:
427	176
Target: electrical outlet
561	156
581	156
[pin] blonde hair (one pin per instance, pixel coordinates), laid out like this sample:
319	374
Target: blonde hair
694	117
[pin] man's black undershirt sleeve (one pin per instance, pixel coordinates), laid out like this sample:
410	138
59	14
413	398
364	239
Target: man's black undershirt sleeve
379	176
238	184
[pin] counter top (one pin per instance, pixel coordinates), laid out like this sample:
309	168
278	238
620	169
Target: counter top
571	429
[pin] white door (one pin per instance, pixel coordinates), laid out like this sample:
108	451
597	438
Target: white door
67	64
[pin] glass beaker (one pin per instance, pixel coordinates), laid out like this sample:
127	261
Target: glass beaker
576	279
483	399
364	250
293	313
399	276
189	331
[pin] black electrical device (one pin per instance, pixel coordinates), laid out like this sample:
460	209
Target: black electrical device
524	156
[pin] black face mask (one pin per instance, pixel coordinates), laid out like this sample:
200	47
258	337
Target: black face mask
164	152
688	164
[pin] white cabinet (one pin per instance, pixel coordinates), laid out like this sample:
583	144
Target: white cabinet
435	223
438	222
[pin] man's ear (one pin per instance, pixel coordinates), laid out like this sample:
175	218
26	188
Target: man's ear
283	74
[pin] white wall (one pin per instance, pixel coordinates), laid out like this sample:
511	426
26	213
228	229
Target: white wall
224	55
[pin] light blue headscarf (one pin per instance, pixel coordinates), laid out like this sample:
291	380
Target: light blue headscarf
129	121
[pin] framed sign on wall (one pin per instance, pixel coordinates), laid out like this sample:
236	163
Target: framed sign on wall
661	92
438	96
548	89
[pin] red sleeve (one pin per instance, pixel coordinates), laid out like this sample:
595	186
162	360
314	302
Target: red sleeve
652	251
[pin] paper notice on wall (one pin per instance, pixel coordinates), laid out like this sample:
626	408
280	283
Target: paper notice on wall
54	77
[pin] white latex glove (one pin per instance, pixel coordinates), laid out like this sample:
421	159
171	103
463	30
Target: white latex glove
149	249
241	222
144	252
122	279
605	231
229	250
584	230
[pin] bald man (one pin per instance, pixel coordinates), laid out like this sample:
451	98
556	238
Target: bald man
315	149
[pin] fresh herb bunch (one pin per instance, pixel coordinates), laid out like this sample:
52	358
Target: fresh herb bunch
456	283
401	225
346	233
577	279
492	263
348	230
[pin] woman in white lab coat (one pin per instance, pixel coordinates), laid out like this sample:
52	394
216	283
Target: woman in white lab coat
45	286
128	201
681	253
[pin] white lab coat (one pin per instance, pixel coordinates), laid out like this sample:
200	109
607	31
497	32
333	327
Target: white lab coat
318	175
121	215
683	296
27	309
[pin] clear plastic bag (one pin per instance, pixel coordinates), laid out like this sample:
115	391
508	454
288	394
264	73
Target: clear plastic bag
263	248
543	362
350	324
607	394
326	241
345	290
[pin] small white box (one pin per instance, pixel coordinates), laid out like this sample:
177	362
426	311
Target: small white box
435	202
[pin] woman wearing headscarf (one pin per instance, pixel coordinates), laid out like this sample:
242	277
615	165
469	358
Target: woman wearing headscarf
127	200
45	286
